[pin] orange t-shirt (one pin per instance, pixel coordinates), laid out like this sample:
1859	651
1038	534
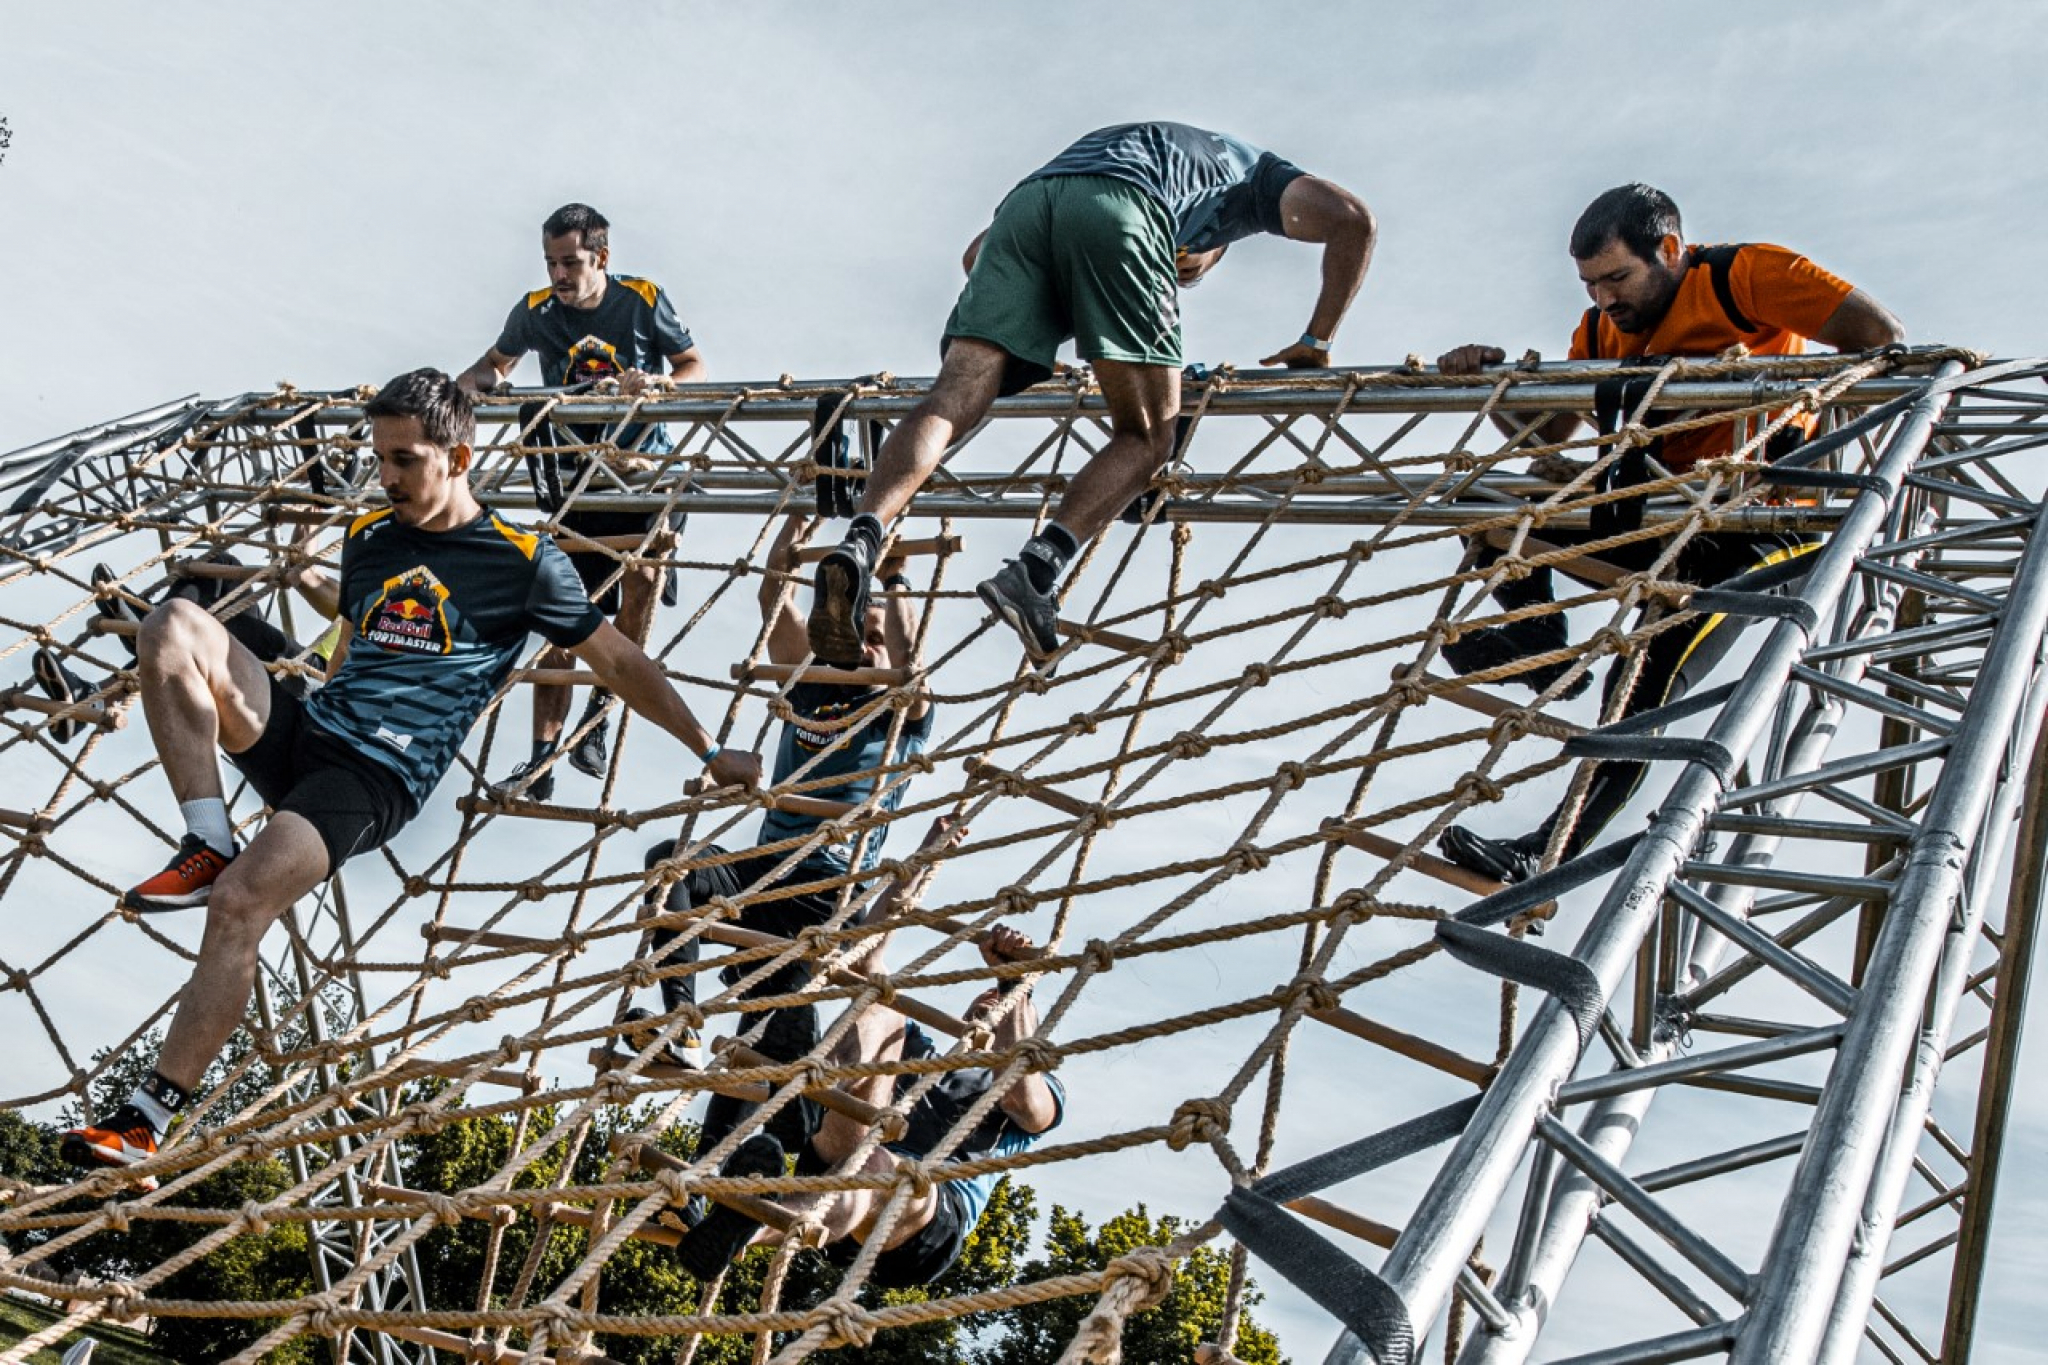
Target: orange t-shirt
1787	297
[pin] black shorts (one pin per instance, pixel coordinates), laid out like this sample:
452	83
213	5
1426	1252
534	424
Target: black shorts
595	566
354	803
929	1253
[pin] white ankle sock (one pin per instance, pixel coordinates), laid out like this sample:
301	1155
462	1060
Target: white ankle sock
208	818
153	1109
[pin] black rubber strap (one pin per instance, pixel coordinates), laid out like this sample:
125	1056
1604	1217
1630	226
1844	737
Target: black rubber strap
1792	476
1762	605
1340	1286
1566	979
1654	749
1505	904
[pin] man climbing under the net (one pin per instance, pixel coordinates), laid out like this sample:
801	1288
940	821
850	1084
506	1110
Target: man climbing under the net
930	1229
587	326
1653	295
438	597
834	745
1095	245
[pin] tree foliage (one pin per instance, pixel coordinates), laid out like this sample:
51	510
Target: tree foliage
641	1278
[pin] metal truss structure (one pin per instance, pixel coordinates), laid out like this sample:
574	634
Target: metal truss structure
1819	925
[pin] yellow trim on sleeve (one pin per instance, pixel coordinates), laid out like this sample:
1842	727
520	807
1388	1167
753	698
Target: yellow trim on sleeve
368	519
536	298
648	290
527	542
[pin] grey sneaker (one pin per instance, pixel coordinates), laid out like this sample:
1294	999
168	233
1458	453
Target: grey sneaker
591	756
1024	609
538	789
839	607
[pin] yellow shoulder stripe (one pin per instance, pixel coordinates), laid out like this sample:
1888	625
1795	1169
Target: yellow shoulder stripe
646	289
527	542
537	297
368	519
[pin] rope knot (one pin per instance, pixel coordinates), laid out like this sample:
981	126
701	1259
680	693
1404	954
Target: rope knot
415	887
254	1224
1173	646
1038	1054
478	1009
1290	776
1081	723
1258	675
884	986
1188	744
1149	1264
1246	857
443	1207
124	1300
1198	1120
1474	788
1460	461
849	1325
1015	900
115	1212
1510	726
814	939
1609	640
1210	589
892	1124
1311	475
916	1175
1313	991
1036	683
1100	954
1331	607
640	972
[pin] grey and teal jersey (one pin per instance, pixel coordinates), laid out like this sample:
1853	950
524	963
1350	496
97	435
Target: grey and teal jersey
955	1092
1217	188
633	327
820	710
439	618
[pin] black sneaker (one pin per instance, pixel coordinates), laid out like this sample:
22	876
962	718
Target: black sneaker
62	686
591	755
523	785
686	1050
1496	646
839	607
111	601
708	1248
1023	608
1504	860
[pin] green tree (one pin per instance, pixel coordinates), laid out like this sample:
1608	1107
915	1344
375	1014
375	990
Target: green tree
1035	1334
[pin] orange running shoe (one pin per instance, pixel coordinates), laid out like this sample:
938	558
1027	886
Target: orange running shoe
123	1139
185	880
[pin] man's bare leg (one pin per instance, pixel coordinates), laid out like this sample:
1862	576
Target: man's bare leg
1143	401
281	864
969	379
202	691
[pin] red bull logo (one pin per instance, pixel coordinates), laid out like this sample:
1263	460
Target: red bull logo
412	610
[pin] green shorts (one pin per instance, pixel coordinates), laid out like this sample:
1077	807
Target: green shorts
1082	256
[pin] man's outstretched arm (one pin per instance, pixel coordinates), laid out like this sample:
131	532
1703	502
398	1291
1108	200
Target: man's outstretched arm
1316	210
1030	1103
625	668
1860	323
488	372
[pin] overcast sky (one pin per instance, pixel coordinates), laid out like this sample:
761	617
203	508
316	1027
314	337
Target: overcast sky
212	198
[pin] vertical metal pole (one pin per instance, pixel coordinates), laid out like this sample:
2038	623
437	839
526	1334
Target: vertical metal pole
1815	1231
2001	1059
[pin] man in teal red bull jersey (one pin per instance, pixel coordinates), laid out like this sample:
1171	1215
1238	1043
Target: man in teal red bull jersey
437	598
589	325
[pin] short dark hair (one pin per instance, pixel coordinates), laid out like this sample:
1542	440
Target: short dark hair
446	415
580	218
1639	216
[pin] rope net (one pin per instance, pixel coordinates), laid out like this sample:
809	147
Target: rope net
1216	815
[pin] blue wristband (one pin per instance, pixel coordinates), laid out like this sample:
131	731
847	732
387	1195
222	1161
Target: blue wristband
713	752
1313	342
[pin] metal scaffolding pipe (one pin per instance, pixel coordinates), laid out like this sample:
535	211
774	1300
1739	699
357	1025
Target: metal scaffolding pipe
1814	1236
1454	1210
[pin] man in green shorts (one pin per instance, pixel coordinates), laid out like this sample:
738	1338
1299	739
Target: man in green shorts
1095	246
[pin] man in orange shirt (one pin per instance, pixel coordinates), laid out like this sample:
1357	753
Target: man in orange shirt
1653	295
